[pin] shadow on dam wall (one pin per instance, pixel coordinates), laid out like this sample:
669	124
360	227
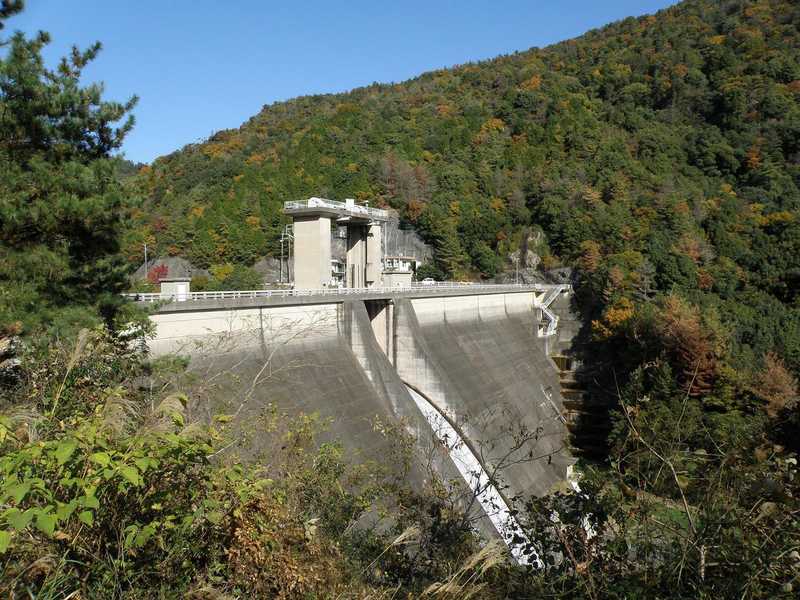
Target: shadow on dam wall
477	358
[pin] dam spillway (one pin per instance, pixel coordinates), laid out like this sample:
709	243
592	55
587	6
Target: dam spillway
480	353
481	483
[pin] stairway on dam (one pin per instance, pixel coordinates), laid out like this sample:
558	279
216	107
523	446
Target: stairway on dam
587	419
480	358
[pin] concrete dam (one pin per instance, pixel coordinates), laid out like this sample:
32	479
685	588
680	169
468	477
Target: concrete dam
479	355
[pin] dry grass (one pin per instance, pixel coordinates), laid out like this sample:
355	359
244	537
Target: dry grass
465	582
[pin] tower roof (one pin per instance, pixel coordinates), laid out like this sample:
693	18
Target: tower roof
343	211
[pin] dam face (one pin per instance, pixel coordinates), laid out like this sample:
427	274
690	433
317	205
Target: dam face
479	359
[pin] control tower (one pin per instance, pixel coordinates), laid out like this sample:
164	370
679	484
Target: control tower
313	219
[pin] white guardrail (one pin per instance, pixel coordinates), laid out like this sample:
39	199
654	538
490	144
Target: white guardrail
348	207
293	293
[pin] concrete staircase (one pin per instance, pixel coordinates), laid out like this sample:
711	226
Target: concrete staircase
587	420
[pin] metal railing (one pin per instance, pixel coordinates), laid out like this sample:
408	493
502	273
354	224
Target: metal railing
295	293
552	319
553	294
346	207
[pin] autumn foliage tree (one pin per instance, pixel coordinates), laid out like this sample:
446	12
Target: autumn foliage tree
776	386
693	345
157	273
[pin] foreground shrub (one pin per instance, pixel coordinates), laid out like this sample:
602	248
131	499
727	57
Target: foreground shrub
106	492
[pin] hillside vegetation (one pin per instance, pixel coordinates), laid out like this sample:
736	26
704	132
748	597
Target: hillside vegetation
637	137
658	157
657	153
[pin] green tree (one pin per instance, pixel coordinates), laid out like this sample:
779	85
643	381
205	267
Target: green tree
61	206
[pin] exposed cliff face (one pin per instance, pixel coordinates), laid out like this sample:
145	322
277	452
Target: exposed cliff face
396	242
9	362
405	242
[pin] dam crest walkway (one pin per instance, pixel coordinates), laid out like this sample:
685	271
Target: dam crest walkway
302	296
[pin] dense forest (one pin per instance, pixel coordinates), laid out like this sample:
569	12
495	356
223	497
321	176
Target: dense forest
657	153
658	157
593	140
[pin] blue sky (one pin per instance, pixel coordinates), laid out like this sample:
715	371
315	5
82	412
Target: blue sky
201	65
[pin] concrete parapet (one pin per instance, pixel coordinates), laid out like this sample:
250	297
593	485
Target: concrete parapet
181	332
474	307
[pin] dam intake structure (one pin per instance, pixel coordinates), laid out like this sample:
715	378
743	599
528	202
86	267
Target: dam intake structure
443	362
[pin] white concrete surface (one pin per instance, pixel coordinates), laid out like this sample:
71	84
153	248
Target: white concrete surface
374	256
468	308
231	329
396	279
356	257
312	252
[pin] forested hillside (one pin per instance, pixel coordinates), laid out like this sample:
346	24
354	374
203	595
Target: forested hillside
656	153
636	137
658	157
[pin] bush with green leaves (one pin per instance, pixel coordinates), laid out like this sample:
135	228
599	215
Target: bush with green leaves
233	277
106	491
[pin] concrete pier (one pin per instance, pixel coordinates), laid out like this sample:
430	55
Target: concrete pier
312	235
312	242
